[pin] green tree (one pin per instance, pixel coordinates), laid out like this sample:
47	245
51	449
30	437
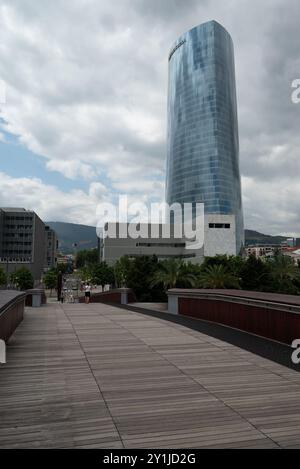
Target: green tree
50	280
22	278
3	278
234	264
84	274
63	268
219	259
285	274
86	257
171	273
121	271
139	275
101	274
218	276
256	274
189	270
136	274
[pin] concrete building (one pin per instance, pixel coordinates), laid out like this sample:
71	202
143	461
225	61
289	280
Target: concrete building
293	253
290	242
22	241
51	246
264	250
203	141
219	236
164	248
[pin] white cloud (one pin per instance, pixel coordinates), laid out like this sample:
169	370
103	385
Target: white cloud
80	94
49	202
155	189
86	89
53	204
269	208
72	169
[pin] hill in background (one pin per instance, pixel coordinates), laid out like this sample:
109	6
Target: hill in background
69	233
86	238
254	237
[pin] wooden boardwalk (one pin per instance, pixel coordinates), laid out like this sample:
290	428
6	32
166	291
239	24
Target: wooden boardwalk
99	376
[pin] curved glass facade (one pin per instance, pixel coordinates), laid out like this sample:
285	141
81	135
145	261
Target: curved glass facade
203	145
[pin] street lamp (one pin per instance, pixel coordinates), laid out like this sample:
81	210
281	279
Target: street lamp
7	273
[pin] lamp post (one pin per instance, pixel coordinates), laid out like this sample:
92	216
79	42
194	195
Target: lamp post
7	273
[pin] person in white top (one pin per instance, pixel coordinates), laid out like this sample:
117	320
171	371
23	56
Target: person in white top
87	293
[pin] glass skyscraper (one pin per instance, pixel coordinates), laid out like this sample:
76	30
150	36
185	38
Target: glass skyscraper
203	143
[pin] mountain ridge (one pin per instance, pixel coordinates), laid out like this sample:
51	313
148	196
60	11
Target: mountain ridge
68	234
85	236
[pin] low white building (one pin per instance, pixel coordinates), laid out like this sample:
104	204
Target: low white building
219	238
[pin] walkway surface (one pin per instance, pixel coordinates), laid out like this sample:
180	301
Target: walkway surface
98	376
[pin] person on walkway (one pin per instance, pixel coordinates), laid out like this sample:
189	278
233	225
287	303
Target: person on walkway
59	285
62	296
87	293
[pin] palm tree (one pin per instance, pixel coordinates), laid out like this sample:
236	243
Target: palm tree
218	276
170	273
284	272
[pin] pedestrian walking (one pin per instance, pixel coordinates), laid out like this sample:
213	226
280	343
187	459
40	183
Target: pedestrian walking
87	293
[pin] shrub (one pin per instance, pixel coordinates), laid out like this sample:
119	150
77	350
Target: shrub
50	280
3	278
22	278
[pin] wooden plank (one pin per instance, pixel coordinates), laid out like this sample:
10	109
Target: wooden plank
98	376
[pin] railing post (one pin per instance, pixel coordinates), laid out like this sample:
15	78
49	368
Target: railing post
2	351
172	303
124	296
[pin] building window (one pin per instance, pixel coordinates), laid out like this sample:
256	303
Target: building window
158	244
219	225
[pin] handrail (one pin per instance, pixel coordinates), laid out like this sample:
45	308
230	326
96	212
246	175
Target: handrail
240	299
11	312
12	301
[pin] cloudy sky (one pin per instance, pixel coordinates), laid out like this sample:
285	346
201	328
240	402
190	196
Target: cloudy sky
86	90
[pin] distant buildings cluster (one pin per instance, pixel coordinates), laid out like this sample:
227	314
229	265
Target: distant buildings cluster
288	248
26	241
